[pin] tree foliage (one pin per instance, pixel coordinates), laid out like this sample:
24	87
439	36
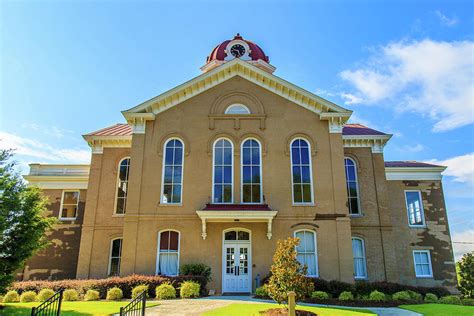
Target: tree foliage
465	267
22	221
287	273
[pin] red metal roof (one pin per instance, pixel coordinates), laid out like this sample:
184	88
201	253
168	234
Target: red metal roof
256	53
236	207
115	130
359	129
409	164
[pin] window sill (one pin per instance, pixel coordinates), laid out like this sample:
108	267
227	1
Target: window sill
356	215
361	278
170	204
416	226
303	204
68	218
118	215
424	277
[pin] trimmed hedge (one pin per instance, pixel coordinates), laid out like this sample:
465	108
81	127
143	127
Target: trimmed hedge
27	297
126	284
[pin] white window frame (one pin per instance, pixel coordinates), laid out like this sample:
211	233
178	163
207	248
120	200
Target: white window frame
110	255
117	183
230	107
310	173
422	210
157	267
364	257
357	186
214	167
163	172
430	275
242	171
315	249
62	204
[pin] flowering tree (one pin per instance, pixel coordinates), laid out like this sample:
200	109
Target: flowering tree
466	275
287	273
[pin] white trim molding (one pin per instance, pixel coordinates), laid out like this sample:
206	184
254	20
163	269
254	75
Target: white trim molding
55	176
375	142
414	173
336	121
98	143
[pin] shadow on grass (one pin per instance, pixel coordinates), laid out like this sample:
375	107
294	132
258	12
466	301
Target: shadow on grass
26	311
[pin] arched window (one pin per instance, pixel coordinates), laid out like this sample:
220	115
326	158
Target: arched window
307	253
237	109
358	251
172	186
122	186
251	172
222	191
168	253
352	186
115	256
301	172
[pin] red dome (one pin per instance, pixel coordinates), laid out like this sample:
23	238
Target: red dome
256	53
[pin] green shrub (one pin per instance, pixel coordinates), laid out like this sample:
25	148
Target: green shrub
137	290
450	299
402	296
346	296
27	297
11	297
431	298
468	301
165	291
114	294
261	291
189	289
71	295
376	296
92	295
415	296
1	298
44	294
319	295
196	269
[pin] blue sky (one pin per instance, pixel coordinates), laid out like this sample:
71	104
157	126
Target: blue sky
68	68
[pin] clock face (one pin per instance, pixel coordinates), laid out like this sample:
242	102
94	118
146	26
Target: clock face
237	50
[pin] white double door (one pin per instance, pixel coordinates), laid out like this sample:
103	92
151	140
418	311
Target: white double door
236	268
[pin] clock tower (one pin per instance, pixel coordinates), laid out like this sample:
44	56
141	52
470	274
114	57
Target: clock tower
238	47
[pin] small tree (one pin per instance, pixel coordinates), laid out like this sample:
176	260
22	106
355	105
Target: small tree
287	273
22	224
465	267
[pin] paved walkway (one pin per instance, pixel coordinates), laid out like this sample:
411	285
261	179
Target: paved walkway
195	307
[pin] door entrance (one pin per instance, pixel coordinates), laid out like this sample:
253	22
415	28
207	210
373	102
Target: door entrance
236	267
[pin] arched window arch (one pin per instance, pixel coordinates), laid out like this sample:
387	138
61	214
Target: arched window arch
301	171
358	252
172	175
237	109
307	250
122	185
115	256
223	171
168	252
251	172
352	186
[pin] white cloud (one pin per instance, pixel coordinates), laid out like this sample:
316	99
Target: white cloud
350	98
445	20
429	77
463	242
411	148
47	130
42	151
459	167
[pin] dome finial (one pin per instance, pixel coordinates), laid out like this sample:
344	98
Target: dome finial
238	36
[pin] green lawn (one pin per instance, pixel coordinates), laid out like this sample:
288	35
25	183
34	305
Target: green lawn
254	309
70	308
440	309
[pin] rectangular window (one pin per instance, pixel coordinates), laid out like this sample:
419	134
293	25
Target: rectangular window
115	256
69	205
414	208
306	251
168	253
422	261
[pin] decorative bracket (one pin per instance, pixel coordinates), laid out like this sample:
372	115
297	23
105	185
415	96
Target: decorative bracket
269	229
204	231
336	120
138	121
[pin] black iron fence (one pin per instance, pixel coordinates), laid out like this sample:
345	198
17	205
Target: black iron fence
136	307
50	307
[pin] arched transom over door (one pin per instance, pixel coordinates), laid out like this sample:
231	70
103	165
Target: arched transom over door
236	261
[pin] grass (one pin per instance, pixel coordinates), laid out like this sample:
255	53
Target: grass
440	309
70	308
255	309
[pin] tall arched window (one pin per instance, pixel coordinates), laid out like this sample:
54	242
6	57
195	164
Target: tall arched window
358	251
172	186
301	172
168	253
352	186
251	172
222	191
122	185
115	256
307	253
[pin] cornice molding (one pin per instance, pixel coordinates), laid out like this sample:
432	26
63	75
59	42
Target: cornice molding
98	143
138	121
375	142
414	173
